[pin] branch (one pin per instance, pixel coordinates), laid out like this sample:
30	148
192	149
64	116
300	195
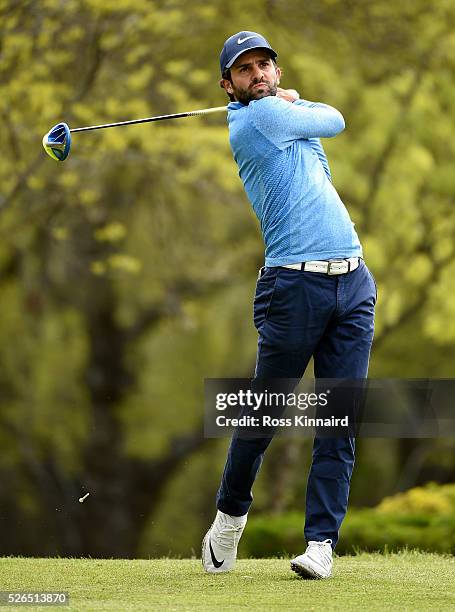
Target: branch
152	476
21	181
12	136
171	305
90	75
425	291
51	485
391	142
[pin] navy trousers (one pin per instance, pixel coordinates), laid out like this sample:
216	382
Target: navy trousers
300	315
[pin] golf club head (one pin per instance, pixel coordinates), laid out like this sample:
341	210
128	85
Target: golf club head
57	142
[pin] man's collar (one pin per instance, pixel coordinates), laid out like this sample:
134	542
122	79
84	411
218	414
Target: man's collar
235	105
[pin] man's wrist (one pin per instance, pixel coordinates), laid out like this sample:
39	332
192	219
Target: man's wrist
290	95
294	94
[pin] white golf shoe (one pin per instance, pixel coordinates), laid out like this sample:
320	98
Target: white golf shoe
316	561
219	547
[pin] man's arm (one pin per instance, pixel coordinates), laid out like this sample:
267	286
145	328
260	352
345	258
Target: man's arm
282	122
317	147
291	95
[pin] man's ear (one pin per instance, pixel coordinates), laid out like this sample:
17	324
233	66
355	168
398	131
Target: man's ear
278	74
226	85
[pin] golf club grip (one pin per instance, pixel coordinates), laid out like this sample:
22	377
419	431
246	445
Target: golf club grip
205	111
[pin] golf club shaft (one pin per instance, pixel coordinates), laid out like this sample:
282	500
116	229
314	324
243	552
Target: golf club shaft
205	111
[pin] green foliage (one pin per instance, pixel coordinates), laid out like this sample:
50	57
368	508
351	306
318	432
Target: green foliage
127	273
422	518
429	500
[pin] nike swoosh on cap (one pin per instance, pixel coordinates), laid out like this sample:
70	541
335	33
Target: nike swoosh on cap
215	561
242	40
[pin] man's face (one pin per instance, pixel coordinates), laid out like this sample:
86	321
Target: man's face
254	76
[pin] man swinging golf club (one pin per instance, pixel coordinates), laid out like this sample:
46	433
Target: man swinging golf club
315	296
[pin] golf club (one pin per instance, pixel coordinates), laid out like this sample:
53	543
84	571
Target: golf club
57	142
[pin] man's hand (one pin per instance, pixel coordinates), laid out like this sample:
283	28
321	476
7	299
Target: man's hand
290	95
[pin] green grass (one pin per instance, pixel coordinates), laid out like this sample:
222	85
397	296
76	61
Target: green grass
404	581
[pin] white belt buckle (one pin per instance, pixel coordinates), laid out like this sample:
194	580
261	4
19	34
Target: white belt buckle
334	261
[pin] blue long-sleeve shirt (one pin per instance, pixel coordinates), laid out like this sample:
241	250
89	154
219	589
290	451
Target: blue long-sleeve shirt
287	179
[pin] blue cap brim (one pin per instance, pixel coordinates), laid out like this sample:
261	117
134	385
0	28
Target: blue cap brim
270	51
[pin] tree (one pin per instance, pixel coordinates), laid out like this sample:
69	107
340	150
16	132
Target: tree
126	274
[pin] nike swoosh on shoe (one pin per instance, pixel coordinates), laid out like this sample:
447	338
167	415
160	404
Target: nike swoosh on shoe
215	561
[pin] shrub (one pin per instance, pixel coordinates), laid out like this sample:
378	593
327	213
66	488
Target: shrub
422	518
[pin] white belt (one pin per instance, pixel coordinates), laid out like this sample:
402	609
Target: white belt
332	266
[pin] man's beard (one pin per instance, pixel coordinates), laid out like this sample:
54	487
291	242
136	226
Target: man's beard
255	93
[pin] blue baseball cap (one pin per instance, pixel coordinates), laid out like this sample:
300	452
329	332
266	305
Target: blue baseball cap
238	44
